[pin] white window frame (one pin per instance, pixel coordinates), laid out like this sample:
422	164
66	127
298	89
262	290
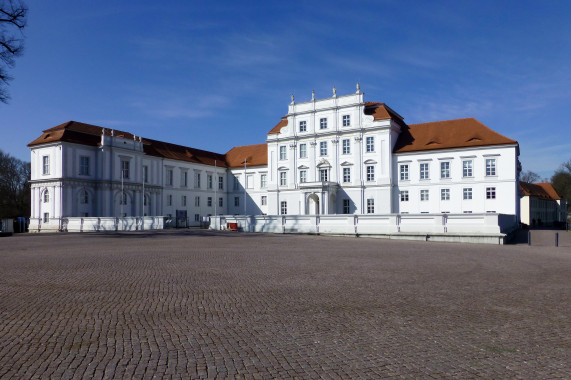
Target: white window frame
346	175
209	181
303	150
346	146
323	148
467	193
209	202
46	196
303	126
170	177
346	206
84	165
445	194
370	206
220	182
346	120
263	181
283	208
445	169
424	195
236	201
264	200
370	144
324	175
370	173
302	176
45	165
490	193
404	196
404	172
125	169
424	170
323	123
283	152
490	167
467	168
283	178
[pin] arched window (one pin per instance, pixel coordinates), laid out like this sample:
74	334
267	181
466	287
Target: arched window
84	197
123	200
146	202
46	196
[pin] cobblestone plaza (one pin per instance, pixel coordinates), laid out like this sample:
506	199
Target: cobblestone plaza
201	304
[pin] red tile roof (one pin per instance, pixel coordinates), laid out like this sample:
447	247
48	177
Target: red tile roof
458	133
539	190
279	126
380	111
255	155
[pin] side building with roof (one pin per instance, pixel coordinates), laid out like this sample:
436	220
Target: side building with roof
338	155
541	205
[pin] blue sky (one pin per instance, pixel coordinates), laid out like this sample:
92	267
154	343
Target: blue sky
218	74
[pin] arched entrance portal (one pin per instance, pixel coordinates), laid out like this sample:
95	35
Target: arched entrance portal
313	204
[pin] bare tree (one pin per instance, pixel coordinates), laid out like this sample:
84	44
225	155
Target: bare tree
561	181
12	21
529	177
14	187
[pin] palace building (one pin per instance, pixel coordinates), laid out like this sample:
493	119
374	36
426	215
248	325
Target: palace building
333	156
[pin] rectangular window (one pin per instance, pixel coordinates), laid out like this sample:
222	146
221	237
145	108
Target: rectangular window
209	201
404	172
283	155
46	165
370	173
323	148
197	180
346	146
197	201
302	176
490	193
283	178
346	206
303	126
236	183
250	181
263	180
184	200
423	195
209	181
123	200
323	123
370	146
370	206
346	120
220	202
404	196
220	183
445	169
264	200
467	168
424	174
283	208
324	175
236	201
467	193
169	177
346	175
490	166
83	165
444	194
146	174
46	217
125	169
184	179
302	150
169	200
196	217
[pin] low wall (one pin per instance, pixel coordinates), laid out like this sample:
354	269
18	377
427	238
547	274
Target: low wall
475	228
98	224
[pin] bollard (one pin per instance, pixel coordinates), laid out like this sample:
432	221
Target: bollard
557	239
528	237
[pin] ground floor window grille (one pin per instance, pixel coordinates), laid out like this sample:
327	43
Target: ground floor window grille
370	206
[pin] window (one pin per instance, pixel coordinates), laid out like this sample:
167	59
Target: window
404	172
424	174
445	194
467	193
146	174
303	176
370	144
370	206
283	208
323	175
423	195
236	201
445	169
263	180
467	168
46	196
370	173
84	197
283	155
490	166
146	201
250	181
346	146
46	165
404	196
123	199
220	202
125	169
490	193
209	201
323	148
236	183
346	175
303	126
169	200
46	217
83	165
197	180
302	150
283	178
264	200
323	123
196	217
184	200
169	177
346	120
209	181
346	206
197	201
220	183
